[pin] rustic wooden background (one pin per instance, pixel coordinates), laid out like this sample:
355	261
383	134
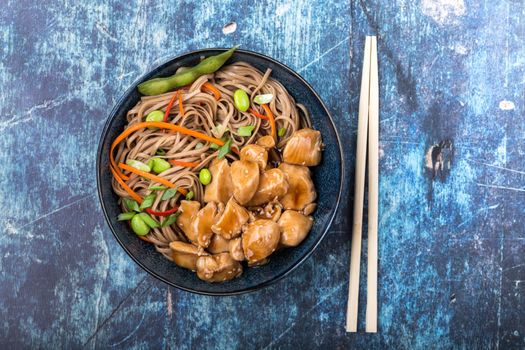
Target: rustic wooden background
452	174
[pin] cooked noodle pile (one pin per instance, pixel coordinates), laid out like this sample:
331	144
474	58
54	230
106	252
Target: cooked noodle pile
202	112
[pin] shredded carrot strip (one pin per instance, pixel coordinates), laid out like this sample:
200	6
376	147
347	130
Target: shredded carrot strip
125	186
209	87
160	125
181	107
257	114
144	238
181	163
146	175
269	114
170	104
122	176
151	177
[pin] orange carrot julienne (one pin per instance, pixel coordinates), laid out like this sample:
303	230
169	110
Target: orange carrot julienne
160	125
182	163
269	114
209	87
122	176
170	104
151	177
181	107
257	114
144	238
125	186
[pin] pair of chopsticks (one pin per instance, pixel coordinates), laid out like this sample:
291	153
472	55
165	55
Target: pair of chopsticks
368	124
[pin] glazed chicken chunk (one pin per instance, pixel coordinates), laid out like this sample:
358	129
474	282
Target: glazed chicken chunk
220	189
266	142
218	268
260	239
255	153
294	227
202	222
235	248
270	211
303	148
187	210
272	183
301	190
185	254
218	244
231	221
245	179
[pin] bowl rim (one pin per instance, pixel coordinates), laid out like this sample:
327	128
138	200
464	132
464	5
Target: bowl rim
105	130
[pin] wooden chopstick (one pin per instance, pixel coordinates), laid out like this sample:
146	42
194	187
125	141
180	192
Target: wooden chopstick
362	126
373	189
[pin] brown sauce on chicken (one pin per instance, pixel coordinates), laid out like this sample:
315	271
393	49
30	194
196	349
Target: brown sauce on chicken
253	206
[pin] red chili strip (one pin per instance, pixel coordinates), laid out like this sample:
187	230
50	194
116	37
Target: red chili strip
162	213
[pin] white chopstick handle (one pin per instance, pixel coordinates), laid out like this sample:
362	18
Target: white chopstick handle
355	255
373	192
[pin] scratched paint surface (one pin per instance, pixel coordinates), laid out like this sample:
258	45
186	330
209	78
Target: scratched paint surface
452	174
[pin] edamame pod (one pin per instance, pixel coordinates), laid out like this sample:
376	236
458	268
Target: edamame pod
208	65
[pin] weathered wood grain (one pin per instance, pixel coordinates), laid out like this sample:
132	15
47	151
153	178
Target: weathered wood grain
452	174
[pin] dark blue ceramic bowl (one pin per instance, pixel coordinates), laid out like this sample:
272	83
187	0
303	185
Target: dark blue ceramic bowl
327	177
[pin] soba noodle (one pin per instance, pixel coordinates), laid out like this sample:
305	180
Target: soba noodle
204	113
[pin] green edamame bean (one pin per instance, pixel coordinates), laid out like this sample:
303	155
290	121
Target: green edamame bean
205	176
159	165
209	65
154	116
241	100
139	226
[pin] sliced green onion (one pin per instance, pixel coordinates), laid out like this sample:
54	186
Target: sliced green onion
126	216
225	149
131	204
148	220
148	201
281	132
138	165
263	99
160	152
170	219
158	188
169	194
245	130
189	196
219	130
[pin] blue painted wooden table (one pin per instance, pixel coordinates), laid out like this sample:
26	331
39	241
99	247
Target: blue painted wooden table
452	174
